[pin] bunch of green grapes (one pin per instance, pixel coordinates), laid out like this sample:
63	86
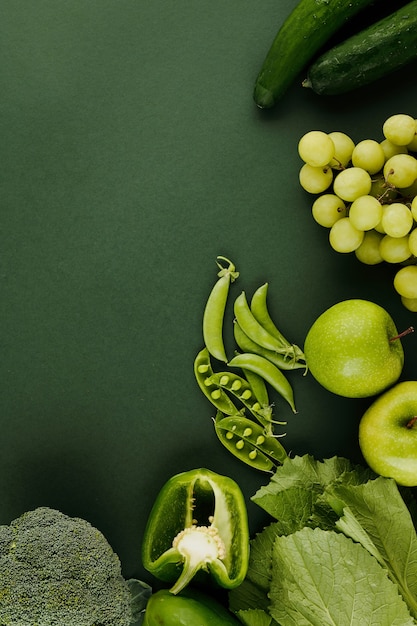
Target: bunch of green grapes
367	196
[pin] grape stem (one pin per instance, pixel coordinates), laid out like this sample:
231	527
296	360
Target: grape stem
405	332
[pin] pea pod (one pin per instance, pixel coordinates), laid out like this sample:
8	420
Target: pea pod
240	388
258	386
280	360
259	309
247	441
268	371
203	372
214	310
190	608
253	329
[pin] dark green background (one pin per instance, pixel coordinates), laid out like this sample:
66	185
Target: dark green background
132	155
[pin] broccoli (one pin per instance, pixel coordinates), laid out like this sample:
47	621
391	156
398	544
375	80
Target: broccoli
57	570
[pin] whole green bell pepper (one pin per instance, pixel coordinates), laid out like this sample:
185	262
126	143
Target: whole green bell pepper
190	608
198	523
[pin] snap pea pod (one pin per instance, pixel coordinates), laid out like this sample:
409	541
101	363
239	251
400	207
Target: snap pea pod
268	371
258	386
253	328
239	387
247	345
203	372
247	441
264	415
214	310
259	309
242	390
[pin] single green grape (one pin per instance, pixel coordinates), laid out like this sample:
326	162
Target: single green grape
344	237
328	209
405	281
316	148
410	304
397	219
408	193
365	212
412	146
315	179
389	148
412	242
351	183
343	148
414	208
394	249
368	155
400	170
368	252
399	129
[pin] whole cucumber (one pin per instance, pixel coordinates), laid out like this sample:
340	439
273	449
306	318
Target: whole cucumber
303	33
378	50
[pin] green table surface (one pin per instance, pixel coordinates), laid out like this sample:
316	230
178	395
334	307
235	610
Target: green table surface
132	154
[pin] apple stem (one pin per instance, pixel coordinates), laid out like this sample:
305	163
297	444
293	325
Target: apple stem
405	332
411	422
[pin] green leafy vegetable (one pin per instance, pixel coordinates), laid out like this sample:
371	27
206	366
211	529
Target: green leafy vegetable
322	577
376	516
341	549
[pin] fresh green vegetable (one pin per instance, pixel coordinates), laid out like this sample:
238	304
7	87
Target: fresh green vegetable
59	570
203	372
197	524
280	360
243	390
259	309
341	549
249	442
308	27
268	371
265	352
190	608
253	329
215	308
377	51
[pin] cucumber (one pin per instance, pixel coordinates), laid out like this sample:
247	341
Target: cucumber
378	50
302	34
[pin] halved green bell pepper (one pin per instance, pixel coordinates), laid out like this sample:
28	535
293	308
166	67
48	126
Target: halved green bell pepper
198	523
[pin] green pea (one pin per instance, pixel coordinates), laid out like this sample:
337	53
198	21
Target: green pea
246	440
203	373
214	310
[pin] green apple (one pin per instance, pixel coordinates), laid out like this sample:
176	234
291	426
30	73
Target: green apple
388	434
353	349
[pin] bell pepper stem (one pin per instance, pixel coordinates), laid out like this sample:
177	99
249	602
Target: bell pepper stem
198	547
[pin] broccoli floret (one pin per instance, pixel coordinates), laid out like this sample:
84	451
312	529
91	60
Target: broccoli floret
57	570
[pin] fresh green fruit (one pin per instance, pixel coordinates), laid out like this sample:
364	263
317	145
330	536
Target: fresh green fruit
388	434
353	349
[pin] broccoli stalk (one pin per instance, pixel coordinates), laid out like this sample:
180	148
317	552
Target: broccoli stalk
57	570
